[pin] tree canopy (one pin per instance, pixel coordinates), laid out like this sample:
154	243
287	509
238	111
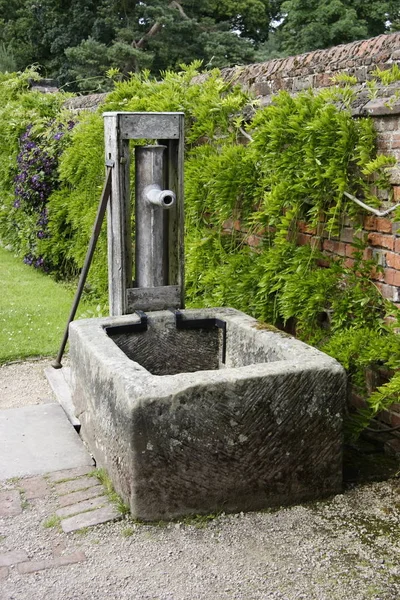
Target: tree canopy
313	24
78	41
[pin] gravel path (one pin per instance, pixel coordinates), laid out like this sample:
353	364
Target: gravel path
23	383
345	548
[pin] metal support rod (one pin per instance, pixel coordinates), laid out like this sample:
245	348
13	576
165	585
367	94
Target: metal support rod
151	260
88	260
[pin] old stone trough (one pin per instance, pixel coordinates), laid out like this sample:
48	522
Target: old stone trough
192	420
193	411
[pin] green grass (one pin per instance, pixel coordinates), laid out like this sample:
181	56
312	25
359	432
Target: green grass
33	310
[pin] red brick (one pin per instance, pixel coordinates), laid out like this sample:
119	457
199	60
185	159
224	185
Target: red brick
3	573
335	247
367	254
383	225
35	487
350	250
397	246
303	239
396	193
396	140
393	260
253	240
349	263
10	503
228	224
59	561
384	241
357	401
13	558
392	277
347	234
370	223
389	417
378	275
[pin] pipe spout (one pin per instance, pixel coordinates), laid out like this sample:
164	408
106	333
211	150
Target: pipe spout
164	198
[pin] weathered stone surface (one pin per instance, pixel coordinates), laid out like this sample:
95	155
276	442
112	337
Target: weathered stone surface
59	561
3	573
74	485
67	474
91	518
75	497
35	487
12	558
263	429
80	507
10	503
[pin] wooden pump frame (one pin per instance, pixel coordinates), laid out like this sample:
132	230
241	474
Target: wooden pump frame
168	130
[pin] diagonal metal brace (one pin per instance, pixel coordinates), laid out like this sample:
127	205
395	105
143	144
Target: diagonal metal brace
105	194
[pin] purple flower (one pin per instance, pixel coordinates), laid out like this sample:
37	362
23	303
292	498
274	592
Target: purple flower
17	203
58	135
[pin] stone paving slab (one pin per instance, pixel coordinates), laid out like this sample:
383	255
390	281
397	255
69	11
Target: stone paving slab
10	503
75	497
66	474
60	561
35	487
38	439
75	485
91	518
80	507
13	558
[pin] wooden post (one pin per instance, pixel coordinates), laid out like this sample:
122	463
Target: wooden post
118	217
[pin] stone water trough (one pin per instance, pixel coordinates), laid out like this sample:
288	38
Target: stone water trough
199	411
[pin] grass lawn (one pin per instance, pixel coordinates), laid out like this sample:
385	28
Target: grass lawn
33	310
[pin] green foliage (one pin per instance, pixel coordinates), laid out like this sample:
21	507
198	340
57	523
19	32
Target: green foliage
313	25
306	151
76	41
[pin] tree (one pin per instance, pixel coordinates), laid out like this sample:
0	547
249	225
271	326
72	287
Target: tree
79	39
313	24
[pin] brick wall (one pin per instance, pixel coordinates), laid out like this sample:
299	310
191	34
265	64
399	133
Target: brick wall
315	69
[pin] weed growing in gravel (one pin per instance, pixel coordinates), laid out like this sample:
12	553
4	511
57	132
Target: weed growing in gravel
52	521
127	532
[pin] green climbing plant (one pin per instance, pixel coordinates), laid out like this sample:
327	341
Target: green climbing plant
252	175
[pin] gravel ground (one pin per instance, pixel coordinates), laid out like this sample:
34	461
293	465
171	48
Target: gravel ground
23	383
345	548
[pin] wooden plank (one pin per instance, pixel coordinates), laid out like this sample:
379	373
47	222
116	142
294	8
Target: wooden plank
156	298
59	382
118	216
148	125
176	253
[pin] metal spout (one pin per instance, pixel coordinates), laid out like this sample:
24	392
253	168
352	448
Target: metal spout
164	198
